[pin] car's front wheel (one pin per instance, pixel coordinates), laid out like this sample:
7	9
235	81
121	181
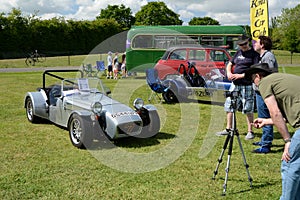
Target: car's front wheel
29	111
151	125
80	131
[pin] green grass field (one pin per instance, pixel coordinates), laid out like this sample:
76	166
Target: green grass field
38	161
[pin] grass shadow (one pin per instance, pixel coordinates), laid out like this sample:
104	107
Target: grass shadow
255	185
101	141
135	142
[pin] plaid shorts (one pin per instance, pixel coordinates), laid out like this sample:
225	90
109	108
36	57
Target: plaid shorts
244	101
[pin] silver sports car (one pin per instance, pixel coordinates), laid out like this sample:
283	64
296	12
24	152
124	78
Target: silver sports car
82	105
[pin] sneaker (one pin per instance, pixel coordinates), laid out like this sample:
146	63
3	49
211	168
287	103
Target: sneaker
250	136
262	150
222	133
260	144
256	143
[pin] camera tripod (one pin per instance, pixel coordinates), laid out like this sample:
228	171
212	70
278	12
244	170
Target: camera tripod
229	139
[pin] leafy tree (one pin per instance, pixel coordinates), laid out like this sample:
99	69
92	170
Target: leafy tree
120	13
247	30
20	35
157	13
14	29
286	33
203	21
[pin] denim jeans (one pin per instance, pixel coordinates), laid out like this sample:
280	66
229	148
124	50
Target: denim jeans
290	171
263	112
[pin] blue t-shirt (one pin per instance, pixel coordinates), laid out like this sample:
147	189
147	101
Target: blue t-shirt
242	61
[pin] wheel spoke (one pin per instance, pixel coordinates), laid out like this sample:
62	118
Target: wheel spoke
29	110
76	130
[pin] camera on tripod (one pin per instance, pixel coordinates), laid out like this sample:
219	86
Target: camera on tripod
234	98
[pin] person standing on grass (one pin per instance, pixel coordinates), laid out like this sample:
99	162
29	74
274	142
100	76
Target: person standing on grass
281	94
116	66
241	61
109	65
263	46
123	65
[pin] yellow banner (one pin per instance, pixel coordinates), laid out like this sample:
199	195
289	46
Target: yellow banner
259	18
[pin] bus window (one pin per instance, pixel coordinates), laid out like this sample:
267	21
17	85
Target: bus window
212	40
231	42
142	41
163	41
187	40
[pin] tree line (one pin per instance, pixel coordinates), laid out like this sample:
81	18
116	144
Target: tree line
21	34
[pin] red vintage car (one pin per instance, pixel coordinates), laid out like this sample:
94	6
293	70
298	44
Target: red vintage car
205	59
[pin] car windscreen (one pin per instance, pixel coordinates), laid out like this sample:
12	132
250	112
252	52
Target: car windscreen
165	56
93	85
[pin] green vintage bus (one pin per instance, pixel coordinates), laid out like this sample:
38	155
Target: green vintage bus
146	44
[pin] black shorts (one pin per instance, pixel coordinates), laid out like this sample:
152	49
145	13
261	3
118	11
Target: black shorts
109	68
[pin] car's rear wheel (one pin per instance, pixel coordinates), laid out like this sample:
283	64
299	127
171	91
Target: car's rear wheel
29	111
80	131
169	97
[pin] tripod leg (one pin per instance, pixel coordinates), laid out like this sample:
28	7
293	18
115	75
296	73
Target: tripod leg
228	165
222	154
244	159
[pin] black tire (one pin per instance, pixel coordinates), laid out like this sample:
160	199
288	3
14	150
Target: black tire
169	96
80	131
29	112
152	128
30	61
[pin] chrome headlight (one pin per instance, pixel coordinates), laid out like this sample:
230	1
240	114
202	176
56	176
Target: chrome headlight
138	103
97	107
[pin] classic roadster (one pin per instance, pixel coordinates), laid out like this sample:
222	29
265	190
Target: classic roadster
83	107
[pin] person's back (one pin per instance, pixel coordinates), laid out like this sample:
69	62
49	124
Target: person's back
285	88
109	60
269	58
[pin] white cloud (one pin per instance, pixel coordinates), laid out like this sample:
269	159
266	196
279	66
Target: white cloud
226	12
186	14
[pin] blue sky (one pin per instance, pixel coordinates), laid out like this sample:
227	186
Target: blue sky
229	12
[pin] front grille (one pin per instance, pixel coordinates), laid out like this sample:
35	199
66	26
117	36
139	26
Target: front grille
129	128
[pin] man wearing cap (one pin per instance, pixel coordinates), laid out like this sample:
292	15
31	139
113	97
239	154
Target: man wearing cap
241	61
282	96
263	46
